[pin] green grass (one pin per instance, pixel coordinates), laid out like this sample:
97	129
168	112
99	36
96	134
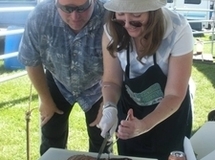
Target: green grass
13	107
14	102
204	77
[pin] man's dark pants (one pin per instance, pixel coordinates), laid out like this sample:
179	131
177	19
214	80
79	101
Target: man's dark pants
55	131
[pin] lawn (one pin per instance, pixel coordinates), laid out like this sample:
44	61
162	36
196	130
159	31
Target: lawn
14	103
203	74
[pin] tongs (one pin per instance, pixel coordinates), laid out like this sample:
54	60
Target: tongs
107	137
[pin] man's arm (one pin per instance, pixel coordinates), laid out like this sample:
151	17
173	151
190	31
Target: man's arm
47	105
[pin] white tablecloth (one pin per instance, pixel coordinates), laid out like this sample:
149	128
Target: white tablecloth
62	154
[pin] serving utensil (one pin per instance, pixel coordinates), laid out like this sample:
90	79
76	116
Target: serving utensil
105	141
109	148
107	137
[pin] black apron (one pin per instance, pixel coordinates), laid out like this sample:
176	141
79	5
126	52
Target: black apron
146	92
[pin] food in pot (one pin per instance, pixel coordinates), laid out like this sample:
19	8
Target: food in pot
85	157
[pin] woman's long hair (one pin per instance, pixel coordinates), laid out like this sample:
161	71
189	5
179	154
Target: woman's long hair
150	40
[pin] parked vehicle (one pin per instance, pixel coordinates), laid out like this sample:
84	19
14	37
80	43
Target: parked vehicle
197	10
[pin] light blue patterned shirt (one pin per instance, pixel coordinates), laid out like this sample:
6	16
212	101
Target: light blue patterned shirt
75	61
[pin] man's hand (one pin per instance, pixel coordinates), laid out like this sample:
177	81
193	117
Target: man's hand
98	118
47	111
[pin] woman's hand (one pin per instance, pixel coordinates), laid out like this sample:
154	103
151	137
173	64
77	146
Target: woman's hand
130	128
109	121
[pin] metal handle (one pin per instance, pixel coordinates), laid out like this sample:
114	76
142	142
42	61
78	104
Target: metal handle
107	137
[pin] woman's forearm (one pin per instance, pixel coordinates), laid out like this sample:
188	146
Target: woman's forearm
111	92
168	106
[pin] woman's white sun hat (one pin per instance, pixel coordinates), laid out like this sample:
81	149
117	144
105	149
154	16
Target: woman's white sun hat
134	6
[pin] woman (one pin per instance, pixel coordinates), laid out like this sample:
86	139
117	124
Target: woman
147	56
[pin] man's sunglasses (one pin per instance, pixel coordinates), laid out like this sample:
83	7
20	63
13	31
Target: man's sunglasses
122	23
70	9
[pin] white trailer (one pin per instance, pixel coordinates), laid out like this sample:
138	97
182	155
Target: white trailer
194	10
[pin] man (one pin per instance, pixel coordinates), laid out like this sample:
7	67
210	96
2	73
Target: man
64	38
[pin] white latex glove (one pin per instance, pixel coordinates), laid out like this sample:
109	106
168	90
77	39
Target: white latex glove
108	121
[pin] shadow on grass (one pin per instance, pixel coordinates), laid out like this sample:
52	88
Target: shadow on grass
13	102
207	68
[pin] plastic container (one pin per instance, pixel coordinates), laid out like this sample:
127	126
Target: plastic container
12	45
